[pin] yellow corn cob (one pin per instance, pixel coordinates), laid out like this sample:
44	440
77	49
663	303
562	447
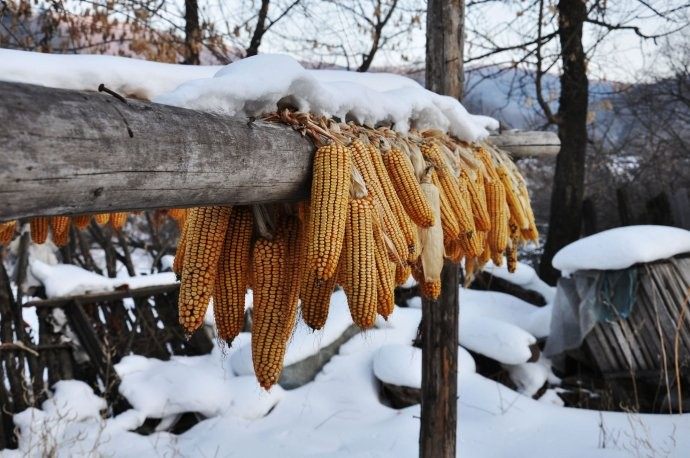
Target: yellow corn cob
402	273
470	266
513	199
101	218
231	279
489	164
295	246
454	250
59	225
485	256
315	294
178	261
7	231
497	258
177	213
81	221
451	188
466	215
270	293
498	212
531	233
407	228
118	220
359	276
205	234
478	200
385	286
401	173
511	255
449	223
330	191
472	245
39	229
430	289
383	212
316	297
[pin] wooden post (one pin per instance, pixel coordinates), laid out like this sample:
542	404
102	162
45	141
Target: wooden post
444	46
438	429
437	433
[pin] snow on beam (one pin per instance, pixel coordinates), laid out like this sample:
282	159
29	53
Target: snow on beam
528	143
70	152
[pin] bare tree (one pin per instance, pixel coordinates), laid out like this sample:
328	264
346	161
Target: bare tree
192	32
531	44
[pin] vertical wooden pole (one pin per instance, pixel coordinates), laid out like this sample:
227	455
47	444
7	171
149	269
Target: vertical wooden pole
444	75
445	21
437	434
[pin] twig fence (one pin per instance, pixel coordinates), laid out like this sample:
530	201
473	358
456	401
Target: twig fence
83	337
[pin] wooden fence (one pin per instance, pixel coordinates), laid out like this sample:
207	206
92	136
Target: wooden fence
83	337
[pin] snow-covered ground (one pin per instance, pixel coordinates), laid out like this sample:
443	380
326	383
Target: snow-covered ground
340	412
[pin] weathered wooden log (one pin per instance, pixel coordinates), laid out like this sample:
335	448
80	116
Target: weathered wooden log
528	143
67	152
70	152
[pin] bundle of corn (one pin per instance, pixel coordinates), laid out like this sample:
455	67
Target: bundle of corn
382	206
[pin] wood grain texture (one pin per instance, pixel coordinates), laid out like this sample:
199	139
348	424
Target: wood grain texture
439	409
67	152
528	143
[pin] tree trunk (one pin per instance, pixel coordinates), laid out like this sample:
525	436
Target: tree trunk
445	38
565	221
192	32
438	429
259	30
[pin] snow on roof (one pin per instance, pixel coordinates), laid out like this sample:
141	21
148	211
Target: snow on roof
622	247
254	86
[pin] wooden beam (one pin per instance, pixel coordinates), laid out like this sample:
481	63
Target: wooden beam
527	143
68	152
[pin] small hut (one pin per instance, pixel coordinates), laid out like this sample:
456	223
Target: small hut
621	308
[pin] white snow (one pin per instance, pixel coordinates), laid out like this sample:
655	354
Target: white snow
131	77
254	86
504	307
257	84
499	326
622	247
401	365
201	384
524	276
530	377
499	340
339	414
304	342
61	280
